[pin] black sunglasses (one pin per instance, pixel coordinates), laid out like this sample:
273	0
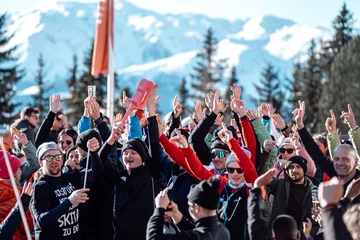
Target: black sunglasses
68	142
232	170
288	150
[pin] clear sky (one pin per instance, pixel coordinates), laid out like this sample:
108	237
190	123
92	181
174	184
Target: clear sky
310	12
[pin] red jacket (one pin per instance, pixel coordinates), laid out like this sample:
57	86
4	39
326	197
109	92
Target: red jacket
187	159
7	202
249	137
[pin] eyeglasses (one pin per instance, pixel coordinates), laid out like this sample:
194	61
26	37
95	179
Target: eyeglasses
220	154
232	170
68	142
288	150
50	158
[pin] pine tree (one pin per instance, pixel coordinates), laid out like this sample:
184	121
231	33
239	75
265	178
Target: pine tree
312	77
296	86
207	71
183	97
10	74
343	27
78	93
269	89
41	101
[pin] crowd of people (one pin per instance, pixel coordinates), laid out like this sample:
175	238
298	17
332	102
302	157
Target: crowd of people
180	177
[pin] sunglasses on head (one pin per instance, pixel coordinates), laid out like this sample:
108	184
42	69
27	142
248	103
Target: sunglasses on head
288	150
232	170
50	158
68	142
220	154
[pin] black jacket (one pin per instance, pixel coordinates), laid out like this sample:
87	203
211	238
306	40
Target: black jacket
322	161
10	224
206	228
233	212
281	189
135	193
45	134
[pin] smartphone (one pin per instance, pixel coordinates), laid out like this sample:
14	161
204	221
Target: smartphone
92	91
4	130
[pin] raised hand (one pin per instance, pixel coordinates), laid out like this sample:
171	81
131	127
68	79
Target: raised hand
117	130
278	121
236	92
125	102
177	107
209	100
118	118
265	109
93	144
162	199
251	114
295	137
223	106
259	112
94	109
330	192
217	104
79	196
269	145
225	134
349	118
307	226
179	140
199	113
219	119
330	123
27	189
54	103
299	114
238	107
152	101
265	179
19	136
353	190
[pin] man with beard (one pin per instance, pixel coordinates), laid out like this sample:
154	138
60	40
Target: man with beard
56	196
292	195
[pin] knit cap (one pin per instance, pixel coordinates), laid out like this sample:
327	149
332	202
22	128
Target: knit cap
299	160
84	137
47	146
206	193
137	145
14	162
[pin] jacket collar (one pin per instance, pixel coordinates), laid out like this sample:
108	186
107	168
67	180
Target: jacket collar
208	222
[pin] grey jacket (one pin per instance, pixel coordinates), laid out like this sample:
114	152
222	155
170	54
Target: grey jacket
32	163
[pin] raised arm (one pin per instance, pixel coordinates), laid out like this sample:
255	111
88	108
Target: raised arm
354	132
175	120
44	130
310	145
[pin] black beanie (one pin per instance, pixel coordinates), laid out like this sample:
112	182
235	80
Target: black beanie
84	137
137	145
182	131
299	160
219	144
206	194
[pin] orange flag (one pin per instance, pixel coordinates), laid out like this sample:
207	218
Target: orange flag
104	29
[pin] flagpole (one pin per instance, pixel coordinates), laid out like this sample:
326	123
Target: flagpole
110	77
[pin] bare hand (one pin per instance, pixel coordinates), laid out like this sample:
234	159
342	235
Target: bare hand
330	123
94	110
251	114
225	134
54	103
79	196
295	137
219	119
177	107
307	226
330	192
162	199
353	190
269	145
93	144
238	107
152	101
27	189
349	118
174	212
299	114
199	113
236	92
278	121
179	140
265	179
20	136
209	100
125	102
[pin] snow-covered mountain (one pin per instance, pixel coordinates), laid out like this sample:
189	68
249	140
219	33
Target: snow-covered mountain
159	47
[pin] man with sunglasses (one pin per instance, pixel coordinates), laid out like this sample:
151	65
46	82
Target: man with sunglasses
29	119
57	195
